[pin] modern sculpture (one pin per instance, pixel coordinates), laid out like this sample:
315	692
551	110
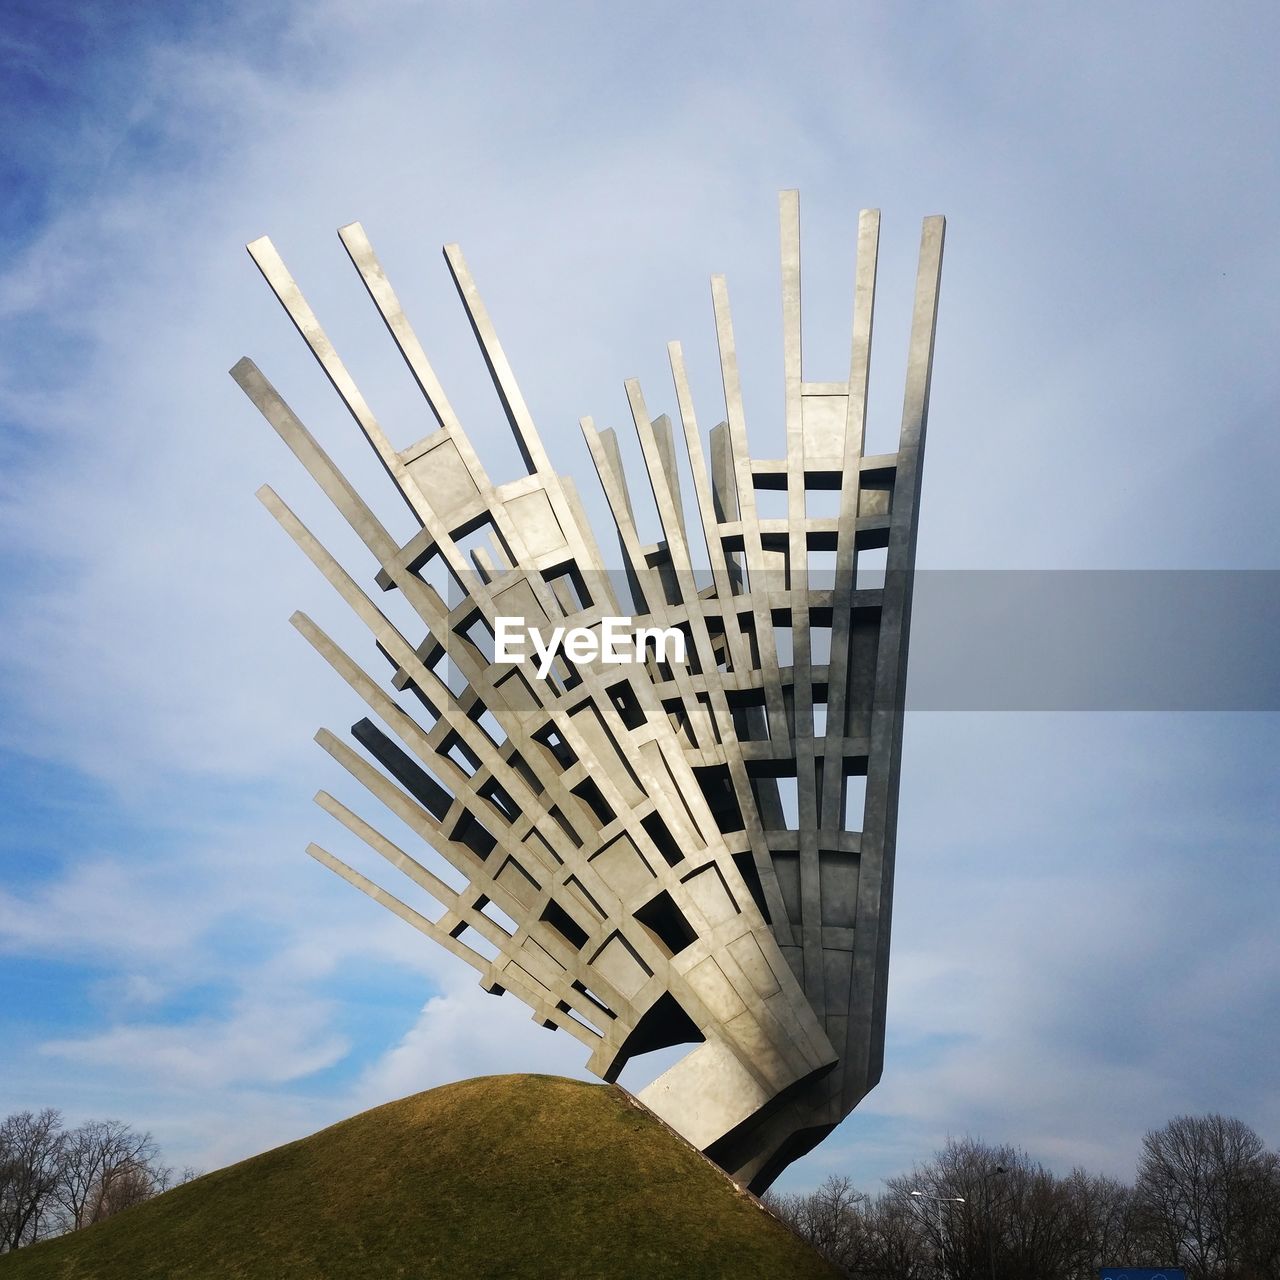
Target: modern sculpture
631	870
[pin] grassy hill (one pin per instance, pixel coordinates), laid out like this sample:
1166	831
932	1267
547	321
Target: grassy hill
504	1176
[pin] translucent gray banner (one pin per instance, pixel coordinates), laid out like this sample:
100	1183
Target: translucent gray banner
1095	640
1033	640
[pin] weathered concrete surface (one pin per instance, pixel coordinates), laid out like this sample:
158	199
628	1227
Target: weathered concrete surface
698	852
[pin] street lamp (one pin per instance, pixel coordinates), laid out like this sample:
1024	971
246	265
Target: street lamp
942	1240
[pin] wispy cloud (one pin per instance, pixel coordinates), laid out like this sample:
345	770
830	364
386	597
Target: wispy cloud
1080	932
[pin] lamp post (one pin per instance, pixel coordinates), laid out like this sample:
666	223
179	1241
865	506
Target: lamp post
942	1240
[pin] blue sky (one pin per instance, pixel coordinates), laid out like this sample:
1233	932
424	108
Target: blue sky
1084	923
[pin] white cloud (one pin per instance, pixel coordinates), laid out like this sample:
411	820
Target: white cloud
464	1032
1100	397
272	1043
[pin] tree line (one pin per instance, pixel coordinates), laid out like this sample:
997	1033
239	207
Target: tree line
1206	1197
54	1179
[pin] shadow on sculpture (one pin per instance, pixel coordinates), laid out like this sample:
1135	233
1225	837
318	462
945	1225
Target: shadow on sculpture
663	851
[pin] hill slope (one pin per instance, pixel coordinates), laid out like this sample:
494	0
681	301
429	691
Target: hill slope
503	1176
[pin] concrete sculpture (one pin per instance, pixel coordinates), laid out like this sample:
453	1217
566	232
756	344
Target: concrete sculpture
662	848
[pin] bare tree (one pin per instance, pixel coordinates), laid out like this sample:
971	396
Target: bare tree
830	1219
897	1247
1206	1196
1105	1210
52	1180
1260	1249
993	1213
121	1187
32	1155
1207	1199
961	1199
99	1154
166	1176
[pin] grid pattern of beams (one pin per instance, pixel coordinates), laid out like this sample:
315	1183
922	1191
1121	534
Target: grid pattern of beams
659	852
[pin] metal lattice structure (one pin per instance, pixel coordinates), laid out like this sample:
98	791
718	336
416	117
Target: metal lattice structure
654	853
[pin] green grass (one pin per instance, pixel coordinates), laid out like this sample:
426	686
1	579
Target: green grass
504	1176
